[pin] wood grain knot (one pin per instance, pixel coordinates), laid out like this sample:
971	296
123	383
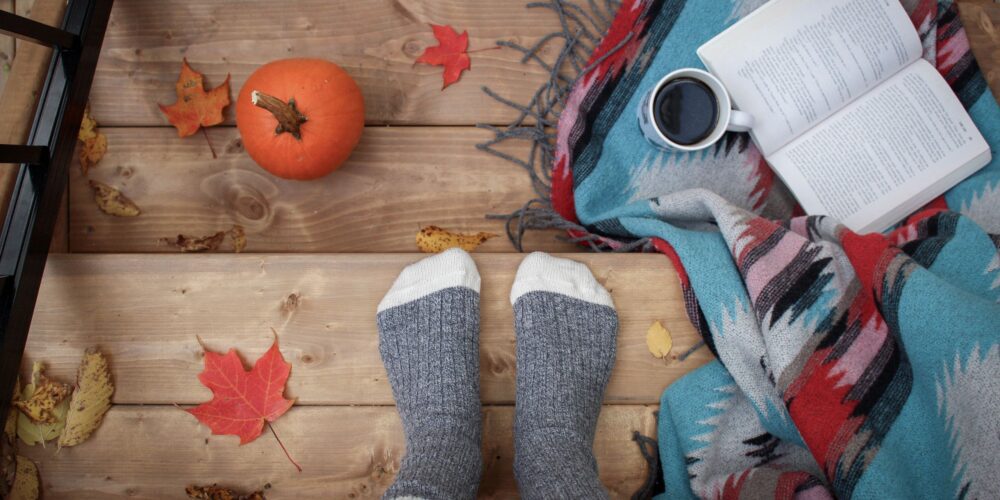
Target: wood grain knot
498	364
413	48
245	196
290	304
235	146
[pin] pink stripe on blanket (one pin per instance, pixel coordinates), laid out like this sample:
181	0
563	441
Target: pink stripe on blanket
769	265
861	353
951	51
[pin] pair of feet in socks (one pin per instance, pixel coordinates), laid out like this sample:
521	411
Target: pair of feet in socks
566	328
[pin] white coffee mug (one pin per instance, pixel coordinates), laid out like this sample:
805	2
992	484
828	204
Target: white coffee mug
729	119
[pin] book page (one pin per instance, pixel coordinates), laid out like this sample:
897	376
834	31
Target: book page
793	63
886	154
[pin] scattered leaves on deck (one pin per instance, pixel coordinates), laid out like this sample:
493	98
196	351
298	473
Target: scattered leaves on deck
451	52
112	202
658	340
433	239
243	401
40	402
196	108
215	492
94	144
90	401
25	485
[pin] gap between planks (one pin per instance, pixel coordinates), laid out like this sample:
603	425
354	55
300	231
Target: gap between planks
148	311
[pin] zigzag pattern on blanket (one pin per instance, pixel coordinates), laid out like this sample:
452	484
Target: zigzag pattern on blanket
848	365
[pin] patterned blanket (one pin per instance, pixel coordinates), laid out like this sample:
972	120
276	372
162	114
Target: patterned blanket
849	365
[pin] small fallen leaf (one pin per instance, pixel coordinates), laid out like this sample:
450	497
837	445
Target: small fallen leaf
90	401
451	52
32	433
112	202
239	238
94	144
658	340
433	239
39	404
192	244
196	108
243	401
215	492
25	481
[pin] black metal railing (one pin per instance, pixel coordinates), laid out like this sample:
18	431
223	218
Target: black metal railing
42	166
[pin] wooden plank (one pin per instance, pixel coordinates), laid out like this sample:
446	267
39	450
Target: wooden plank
399	180
148	312
24	8
6	48
981	19
20	95
376	41
345	452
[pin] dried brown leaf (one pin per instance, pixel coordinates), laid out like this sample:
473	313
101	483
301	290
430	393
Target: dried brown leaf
31	432
112	202
94	144
203	244
25	481
239	237
215	492
433	239
39	405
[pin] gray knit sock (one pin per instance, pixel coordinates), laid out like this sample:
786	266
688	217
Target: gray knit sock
566	329
429	340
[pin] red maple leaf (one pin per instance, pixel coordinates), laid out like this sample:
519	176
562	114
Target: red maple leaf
243	401
452	53
196	108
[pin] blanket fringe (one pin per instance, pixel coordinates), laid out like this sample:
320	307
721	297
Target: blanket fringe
581	31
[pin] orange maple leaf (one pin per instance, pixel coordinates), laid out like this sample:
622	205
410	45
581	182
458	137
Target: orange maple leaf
196	108
243	401
451	52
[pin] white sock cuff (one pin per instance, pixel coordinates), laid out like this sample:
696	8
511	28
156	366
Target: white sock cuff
447	269
543	272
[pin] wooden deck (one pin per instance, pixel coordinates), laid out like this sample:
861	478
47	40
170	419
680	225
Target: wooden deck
320	254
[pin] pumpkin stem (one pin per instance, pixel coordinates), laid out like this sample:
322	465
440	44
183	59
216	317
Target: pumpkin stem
288	116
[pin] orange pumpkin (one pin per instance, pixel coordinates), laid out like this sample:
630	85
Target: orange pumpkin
300	118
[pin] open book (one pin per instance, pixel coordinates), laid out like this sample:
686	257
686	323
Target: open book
847	112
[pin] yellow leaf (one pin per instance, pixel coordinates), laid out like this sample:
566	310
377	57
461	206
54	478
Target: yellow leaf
90	401
94	143
45	395
658	340
433	239
32	433
25	480
112	202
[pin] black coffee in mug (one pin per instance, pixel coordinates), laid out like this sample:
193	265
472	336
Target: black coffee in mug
686	111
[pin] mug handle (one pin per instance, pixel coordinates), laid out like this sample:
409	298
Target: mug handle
740	121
